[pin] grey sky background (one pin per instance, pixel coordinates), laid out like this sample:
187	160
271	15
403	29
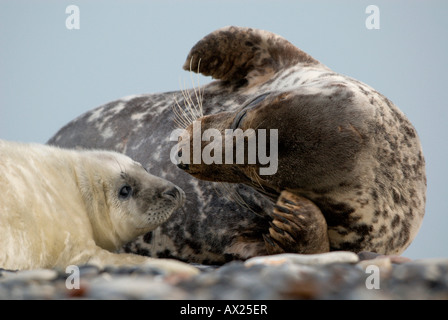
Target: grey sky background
49	75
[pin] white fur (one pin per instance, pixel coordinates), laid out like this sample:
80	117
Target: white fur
61	207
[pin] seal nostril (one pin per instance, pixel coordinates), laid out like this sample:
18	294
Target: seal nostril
183	166
173	192
179	154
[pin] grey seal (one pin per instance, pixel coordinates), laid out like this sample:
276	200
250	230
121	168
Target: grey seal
343	147
63	207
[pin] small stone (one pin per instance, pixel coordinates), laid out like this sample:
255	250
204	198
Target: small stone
307	259
29	275
384	263
88	271
422	279
367	255
6	273
432	261
289	276
78	292
139	287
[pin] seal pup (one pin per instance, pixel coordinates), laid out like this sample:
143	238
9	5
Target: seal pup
343	147
70	207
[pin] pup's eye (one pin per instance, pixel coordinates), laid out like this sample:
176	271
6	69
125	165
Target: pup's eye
125	192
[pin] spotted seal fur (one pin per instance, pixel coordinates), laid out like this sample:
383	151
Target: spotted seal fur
345	147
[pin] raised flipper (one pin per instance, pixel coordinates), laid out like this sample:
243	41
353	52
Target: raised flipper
235	54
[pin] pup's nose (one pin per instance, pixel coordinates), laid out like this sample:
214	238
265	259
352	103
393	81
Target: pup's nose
172	192
183	166
175	194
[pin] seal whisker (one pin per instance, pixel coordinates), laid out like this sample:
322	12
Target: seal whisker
228	192
185	115
175	108
181	120
192	109
119	166
232	195
255	177
177	123
198	97
178	119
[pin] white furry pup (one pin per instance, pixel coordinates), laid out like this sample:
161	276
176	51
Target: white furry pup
61	207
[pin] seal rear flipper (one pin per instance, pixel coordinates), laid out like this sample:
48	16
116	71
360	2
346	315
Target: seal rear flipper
102	258
243	55
298	226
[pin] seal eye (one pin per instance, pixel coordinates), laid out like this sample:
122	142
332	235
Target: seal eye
238	118
125	192
240	115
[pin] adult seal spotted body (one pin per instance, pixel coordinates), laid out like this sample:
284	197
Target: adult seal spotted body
351	170
71	207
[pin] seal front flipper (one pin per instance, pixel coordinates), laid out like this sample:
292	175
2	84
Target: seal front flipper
297	226
102	258
243	55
